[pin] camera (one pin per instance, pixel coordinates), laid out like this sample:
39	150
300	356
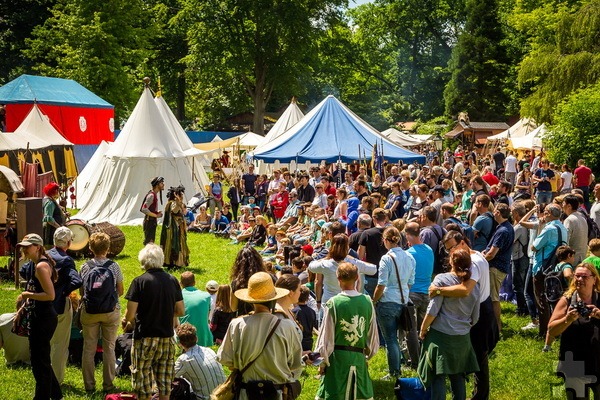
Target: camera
582	309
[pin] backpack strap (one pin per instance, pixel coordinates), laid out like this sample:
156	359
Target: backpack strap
398	277
490	216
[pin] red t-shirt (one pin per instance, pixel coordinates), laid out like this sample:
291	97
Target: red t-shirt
490	179
583	175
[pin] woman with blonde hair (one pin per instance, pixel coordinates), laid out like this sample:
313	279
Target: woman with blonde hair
100	319
577	319
396	275
338	252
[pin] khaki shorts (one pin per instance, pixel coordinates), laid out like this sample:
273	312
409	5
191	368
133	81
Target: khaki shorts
496	278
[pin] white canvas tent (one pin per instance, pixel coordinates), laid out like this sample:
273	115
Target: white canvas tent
400	138
531	141
289	118
148	146
521	128
36	140
249	140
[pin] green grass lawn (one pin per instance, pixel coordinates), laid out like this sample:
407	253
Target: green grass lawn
519	370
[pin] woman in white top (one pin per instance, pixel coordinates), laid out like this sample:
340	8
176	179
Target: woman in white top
328	287
341	210
566	179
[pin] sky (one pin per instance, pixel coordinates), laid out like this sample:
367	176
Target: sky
353	3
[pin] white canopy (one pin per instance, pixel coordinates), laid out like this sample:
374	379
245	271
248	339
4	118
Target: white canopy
289	118
521	128
249	140
400	138
149	145
531	141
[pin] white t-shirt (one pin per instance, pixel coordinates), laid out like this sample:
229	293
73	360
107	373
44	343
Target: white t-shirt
568	178
511	164
480	273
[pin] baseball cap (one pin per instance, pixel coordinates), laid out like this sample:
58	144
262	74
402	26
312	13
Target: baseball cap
63	235
32	238
526	165
212	285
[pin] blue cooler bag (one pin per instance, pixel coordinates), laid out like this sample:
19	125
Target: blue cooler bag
411	389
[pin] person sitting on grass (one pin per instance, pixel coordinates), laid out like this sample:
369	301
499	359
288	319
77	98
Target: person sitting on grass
259	233
271	246
197	364
219	223
307	318
202	221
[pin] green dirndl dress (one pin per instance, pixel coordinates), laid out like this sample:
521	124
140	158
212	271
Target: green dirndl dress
444	354
347	376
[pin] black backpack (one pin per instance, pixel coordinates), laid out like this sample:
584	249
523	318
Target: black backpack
440	255
593	229
100	295
181	389
555	285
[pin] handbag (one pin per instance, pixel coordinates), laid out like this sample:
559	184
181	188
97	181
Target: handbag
406	322
230	389
22	323
120	396
411	389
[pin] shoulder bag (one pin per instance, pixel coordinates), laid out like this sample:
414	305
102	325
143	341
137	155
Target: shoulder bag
406	321
230	389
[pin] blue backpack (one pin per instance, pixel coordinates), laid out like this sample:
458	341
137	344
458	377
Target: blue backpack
466	229
100	295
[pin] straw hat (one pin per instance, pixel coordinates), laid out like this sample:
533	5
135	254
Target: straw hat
260	289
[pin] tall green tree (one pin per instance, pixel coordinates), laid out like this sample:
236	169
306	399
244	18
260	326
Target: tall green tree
575	134
17	20
100	44
265	44
479	66
564	55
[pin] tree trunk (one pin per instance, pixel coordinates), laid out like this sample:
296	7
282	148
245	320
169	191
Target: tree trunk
181	96
258	124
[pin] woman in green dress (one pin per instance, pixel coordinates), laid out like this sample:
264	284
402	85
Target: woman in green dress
447	349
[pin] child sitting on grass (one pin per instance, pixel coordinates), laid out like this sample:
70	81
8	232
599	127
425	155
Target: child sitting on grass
271	246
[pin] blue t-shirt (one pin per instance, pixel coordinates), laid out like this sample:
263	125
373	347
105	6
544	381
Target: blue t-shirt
423	256
483	225
503	239
544	186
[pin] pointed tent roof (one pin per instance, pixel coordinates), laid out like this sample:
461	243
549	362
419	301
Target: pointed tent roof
329	132
289	118
521	128
250	140
400	138
146	133
37	125
180	135
146	147
531	141
46	90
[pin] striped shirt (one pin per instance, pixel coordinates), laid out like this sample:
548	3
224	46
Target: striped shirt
199	365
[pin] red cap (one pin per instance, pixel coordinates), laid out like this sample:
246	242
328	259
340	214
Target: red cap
51	188
308	249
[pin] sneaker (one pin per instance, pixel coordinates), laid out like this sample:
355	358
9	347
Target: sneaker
530	326
389	377
547	348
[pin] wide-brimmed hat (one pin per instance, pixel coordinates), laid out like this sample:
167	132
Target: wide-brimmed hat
32	238
261	289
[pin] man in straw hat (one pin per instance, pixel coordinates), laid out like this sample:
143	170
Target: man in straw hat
277	360
150	209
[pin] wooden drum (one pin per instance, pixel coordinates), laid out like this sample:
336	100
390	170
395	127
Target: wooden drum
82	232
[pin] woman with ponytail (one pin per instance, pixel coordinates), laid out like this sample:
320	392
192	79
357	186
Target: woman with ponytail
39	293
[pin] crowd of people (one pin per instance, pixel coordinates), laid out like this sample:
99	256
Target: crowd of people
414	259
